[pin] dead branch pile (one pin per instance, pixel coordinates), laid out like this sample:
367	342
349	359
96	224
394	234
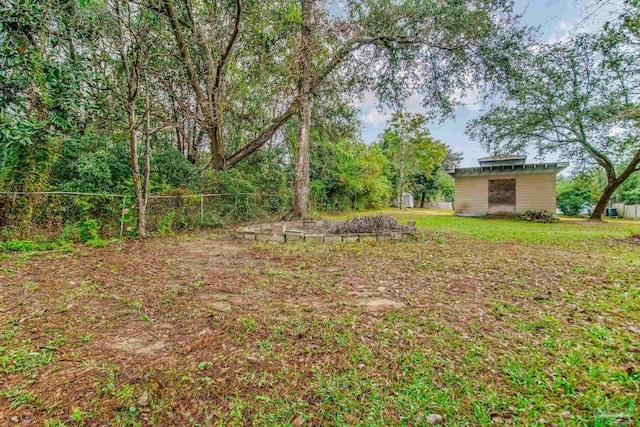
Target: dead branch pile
365	224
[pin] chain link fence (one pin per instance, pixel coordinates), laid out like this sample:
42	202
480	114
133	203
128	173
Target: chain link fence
48	214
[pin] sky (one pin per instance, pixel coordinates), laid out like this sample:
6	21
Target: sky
557	20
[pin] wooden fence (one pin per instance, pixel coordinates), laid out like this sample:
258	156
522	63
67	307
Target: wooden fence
628	211
439	205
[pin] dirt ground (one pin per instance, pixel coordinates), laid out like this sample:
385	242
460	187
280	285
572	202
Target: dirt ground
182	330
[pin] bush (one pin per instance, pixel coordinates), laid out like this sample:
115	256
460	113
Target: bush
210	220
69	233
97	243
165	224
631	196
88	230
572	200
27	246
540	216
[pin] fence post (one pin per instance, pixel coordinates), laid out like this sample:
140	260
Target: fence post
201	210
13	202
122	212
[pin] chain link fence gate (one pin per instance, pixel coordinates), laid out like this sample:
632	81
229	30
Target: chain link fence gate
48	213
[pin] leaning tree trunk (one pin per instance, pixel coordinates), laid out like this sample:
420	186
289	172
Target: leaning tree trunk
613	183
606	195
302	191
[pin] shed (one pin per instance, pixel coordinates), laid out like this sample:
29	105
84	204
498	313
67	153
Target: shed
505	185
407	200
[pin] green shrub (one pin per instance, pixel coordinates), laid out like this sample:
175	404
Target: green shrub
165	224
210	220
88	230
26	246
97	243
572	200
631	196
17	246
69	233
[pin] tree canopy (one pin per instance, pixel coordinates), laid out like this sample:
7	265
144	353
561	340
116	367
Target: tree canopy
576	99
411	150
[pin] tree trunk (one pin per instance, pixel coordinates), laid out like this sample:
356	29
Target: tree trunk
598	211
217	148
141	225
302	191
612	185
401	189
135	170
147	165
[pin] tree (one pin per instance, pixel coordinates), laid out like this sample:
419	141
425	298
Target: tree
134	42
39	78
347	174
393	48
577	192
410	149
437	184
302	190
209	44
629	192
572	98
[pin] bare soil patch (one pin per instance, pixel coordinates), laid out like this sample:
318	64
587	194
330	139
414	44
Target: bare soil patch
141	345
381	303
197	328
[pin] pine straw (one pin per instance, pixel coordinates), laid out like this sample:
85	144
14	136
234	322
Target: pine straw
365	224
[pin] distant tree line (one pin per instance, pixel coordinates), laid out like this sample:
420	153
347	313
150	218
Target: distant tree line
146	96
578	193
152	96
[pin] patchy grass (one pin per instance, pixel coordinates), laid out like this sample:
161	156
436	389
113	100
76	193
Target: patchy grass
567	233
480	321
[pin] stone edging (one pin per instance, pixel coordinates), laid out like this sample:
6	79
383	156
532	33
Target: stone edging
294	232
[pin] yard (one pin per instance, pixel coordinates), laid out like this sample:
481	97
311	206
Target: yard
478	321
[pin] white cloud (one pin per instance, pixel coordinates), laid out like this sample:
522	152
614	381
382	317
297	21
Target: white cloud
469	100
616	131
413	104
375	117
591	17
565	25
367	100
369	107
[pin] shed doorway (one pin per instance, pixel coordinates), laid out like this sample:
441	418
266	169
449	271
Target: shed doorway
502	196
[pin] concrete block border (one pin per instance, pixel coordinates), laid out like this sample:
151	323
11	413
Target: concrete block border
307	231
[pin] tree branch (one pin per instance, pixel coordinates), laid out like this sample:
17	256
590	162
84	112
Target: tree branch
262	138
227	51
357	43
186	56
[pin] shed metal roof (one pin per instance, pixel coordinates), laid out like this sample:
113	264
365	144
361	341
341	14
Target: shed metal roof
507	160
550	167
500	158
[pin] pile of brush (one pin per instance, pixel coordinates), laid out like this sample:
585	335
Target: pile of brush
365	224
